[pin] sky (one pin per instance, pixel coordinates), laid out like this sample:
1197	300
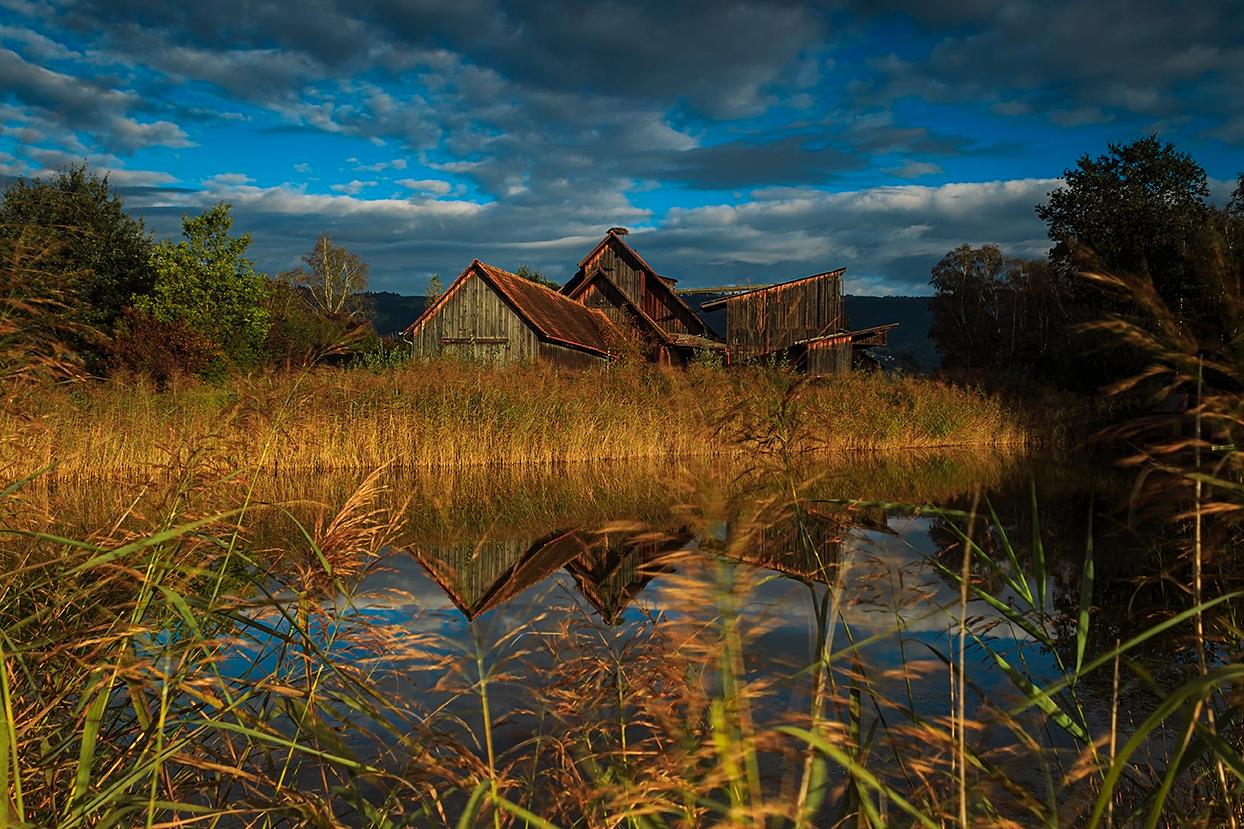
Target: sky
740	142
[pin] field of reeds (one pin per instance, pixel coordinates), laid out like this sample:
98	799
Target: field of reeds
450	414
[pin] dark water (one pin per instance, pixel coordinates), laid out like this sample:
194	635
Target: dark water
512	564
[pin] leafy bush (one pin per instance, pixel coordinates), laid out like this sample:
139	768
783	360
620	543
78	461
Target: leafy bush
160	349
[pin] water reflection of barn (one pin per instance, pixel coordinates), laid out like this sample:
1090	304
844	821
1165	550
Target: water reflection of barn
614	567
611	567
616	301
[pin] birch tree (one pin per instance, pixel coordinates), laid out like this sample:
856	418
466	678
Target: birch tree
332	278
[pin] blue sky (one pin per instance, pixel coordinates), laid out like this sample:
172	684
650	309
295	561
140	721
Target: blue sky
740	141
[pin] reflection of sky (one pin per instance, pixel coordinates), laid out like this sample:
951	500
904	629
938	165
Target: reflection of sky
888	594
887	588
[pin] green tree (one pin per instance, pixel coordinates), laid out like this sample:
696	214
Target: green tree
97	257
536	277
206	282
966	327
1139	209
332	279
1236	206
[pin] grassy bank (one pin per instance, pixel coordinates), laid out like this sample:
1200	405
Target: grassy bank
430	414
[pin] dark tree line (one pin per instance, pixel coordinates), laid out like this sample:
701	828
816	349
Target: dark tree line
1141	211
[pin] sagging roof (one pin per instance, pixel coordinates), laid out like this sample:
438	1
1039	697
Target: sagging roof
876	335
551	315
718	303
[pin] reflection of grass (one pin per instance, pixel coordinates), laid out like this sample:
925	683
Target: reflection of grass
445	506
449	414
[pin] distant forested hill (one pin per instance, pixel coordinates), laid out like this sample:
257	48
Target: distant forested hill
913	317
393	312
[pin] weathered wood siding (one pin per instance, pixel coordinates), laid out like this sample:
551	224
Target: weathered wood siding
606	298
829	357
476	323
776	318
625	275
646	291
563	357
664	311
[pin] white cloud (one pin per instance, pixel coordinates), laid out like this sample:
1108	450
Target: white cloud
426	185
354	187
380	166
229	179
915	169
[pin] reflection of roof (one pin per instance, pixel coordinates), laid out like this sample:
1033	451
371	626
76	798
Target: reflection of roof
613	569
717	303
489	575
551	315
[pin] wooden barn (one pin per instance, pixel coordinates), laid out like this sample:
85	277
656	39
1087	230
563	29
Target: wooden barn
491	315
616	281
801	321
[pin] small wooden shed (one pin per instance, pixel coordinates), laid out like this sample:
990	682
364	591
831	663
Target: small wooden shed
491	315
801	321
774	318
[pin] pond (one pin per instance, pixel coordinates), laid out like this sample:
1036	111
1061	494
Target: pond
673	641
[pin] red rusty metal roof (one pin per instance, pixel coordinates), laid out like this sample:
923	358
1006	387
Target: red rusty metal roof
552	316
717	303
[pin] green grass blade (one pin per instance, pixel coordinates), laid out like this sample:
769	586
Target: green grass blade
1016	579
1169	705
1086	597
859	772
467	819
1038	549
10	768
90	738
1036	695
1108	657
519	812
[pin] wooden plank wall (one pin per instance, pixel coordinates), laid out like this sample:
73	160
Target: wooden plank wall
774	319
479	326
559	355
832	357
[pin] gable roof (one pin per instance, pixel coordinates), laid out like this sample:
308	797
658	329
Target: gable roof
551	315
649	322
667	282
717	303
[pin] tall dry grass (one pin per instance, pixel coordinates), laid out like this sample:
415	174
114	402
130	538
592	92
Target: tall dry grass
448	414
